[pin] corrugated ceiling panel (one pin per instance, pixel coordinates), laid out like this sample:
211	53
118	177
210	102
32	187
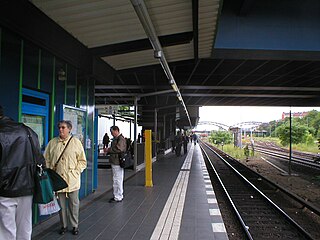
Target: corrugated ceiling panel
208	13
130	60
93	22
145	58
103	22
179	52
170	16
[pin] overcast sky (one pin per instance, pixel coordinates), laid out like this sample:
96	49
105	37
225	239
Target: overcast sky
233	115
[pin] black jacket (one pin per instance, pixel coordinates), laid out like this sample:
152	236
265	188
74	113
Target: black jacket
17	166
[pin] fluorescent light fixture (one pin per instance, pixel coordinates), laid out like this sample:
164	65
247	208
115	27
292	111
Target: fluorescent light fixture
148	27
175	88
157	54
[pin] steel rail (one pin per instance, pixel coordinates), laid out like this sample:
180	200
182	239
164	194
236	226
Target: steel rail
244	226
260	193
298	160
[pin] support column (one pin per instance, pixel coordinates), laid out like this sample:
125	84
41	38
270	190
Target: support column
135	148
155	131
148	158
164	127
130	131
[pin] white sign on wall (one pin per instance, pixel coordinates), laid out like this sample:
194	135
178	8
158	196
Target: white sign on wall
111	109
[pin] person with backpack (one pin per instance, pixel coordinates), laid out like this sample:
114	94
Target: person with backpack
118	146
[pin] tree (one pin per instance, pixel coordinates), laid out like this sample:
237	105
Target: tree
219	137
299	134
313	120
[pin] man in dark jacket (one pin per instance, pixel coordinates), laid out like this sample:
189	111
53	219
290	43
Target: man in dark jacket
17	169
118	146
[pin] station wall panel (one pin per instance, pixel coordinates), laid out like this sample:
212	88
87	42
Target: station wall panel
10	73
24	64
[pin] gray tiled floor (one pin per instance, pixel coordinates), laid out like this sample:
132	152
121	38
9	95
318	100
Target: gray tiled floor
137	216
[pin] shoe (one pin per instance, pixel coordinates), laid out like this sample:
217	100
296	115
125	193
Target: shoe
63	230
75	231
112	200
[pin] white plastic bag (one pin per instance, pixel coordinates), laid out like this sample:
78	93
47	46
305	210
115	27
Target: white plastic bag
49	208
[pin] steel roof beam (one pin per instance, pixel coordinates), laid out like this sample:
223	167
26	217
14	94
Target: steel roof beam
200	87
210	95
140	45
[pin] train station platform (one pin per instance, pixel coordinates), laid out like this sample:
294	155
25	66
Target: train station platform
180	205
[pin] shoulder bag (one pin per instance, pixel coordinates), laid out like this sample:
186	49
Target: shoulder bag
125	158
56	164
44	186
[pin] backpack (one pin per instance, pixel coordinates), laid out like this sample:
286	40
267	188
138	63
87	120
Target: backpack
125	158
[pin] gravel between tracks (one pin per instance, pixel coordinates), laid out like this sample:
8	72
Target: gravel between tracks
307	187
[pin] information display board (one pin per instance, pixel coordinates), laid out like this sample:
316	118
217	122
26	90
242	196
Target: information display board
37	124
78	118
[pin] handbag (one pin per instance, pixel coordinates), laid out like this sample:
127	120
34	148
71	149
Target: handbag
43	190
125	160
49	208
58	183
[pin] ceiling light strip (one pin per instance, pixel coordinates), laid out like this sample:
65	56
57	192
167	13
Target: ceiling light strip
148	27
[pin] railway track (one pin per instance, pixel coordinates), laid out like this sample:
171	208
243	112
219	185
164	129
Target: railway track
301	158
255	201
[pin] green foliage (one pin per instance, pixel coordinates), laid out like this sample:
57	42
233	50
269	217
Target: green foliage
125	111
299	133
311	147
313	120
306	147
218	137
233	151
246	151
309	139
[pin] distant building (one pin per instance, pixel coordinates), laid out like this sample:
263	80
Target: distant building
295	115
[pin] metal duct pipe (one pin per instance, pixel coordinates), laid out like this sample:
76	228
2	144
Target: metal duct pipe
143	15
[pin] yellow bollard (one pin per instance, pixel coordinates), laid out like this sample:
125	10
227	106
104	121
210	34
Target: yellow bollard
148	157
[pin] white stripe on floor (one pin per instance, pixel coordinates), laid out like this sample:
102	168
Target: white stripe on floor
169	223
214	211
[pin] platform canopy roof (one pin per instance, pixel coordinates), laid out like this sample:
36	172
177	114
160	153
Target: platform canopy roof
208	46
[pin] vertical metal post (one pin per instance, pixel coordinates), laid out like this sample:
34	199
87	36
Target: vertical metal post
130	130
155	131
148	158
164	130
135	147
240	138
290	147
114	118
